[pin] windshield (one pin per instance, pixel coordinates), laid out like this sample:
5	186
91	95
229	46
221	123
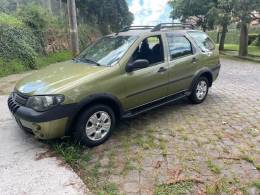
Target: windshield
107	51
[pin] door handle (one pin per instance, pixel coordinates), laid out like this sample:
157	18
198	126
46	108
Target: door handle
162	69
194	60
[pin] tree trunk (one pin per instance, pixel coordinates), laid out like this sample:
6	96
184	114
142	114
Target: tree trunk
61	8
49	6
73	27
17	4
243	46
223	36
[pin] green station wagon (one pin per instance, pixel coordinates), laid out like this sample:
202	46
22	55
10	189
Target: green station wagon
119	76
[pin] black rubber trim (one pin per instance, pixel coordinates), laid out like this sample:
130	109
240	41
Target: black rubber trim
55	113
216	68
161	85
88	100
154	104
28	114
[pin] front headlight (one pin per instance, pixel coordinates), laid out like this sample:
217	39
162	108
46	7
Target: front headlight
43	103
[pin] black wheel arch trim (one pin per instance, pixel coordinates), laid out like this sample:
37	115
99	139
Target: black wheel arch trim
198	74
91	99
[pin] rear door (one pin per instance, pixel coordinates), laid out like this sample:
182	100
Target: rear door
182	62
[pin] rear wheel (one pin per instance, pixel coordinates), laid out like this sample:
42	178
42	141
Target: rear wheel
95	125
200	90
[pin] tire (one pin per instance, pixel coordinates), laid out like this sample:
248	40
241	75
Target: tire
199	95
95	125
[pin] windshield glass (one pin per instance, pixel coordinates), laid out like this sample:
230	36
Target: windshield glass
107	51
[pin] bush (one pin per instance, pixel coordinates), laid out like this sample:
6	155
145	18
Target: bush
256	42
17	43
38	20
252	38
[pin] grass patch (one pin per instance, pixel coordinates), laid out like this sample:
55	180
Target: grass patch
257	166
213	167
222	186
109	189
248	159
127	167
256	184
53	58
252	50
70	152
11	67
177	188
251	160
16	65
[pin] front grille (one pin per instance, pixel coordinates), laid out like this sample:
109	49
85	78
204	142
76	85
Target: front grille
16	100
13	106
19	98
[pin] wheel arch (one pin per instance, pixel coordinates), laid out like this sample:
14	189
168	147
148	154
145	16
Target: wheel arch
104	99
206	72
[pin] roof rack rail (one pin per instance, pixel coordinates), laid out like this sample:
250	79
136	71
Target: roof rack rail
172	25
137	28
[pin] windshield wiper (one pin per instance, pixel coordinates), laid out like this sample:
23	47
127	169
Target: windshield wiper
88	61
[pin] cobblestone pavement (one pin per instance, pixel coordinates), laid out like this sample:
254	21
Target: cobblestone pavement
211	148
181	148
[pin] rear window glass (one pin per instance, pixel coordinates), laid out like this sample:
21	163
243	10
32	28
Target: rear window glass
203	41
179	46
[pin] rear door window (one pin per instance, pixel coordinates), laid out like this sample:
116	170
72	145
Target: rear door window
179	46
202	40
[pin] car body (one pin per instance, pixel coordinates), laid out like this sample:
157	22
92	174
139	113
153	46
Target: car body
149	68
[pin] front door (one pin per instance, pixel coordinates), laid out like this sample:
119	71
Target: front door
147	84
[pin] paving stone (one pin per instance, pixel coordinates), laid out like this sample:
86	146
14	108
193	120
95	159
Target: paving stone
131	187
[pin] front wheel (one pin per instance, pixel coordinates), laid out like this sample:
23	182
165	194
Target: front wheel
95	125
200	90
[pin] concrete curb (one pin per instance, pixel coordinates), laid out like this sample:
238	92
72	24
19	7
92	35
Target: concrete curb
22	172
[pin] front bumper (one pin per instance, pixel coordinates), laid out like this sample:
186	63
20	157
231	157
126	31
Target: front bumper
44	125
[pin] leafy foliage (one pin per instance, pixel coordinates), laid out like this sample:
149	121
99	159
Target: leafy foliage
109	15
32	28
196	10
208	13
38	20
9	20
17	43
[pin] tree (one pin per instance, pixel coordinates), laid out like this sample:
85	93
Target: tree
109	15
197	10
223	11
73	26
243	10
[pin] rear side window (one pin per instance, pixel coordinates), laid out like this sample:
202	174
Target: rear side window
203	41
179	46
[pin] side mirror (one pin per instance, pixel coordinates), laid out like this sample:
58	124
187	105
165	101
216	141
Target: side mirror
138	64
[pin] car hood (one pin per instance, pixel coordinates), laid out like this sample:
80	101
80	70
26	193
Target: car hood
56	76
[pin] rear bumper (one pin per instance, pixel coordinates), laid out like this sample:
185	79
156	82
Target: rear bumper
215	71
44	125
